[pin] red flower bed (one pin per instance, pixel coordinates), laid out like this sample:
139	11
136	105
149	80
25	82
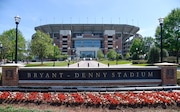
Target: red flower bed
95	99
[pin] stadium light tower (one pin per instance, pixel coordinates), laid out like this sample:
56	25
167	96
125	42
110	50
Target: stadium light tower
161	23
17	20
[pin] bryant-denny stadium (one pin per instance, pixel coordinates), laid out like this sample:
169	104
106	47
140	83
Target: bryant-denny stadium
84	40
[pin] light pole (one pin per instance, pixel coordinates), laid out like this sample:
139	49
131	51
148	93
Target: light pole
177	41
161	23
54	54
17	20
1	51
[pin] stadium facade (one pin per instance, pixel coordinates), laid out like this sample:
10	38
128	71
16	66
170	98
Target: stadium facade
84	40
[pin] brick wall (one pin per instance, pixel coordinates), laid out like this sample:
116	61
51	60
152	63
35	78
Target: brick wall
10	76
169	75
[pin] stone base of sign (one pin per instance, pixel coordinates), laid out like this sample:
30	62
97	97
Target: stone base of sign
168	73
10	75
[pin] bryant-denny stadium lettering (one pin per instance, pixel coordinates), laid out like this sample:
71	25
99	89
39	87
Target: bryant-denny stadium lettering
89	74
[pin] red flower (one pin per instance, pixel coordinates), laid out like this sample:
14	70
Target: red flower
5	95
19	96
47	97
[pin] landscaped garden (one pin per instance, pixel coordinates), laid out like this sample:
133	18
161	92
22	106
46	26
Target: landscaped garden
110	100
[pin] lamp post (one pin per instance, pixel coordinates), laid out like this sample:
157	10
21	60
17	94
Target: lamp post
1	51
17	20
54	54
177	41
161	23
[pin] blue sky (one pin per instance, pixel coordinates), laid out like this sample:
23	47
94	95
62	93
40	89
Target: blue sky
141	13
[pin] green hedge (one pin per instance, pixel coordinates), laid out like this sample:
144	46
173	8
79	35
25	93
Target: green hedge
139	61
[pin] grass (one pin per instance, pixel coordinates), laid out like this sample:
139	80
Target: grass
114	62
13	109
178	74
142	64
57	63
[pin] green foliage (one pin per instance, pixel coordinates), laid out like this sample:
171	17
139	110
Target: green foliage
114	62
119	56
54	53
153	55
148	42
170	32
28	53
111	54
57	63
100	54
8	41
63	57
139	62
135	56
170	59
165	53
41	45
137	47
178	74
178	77
127	56
13	109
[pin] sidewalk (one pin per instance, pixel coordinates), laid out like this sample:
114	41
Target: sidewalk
95	64
86	64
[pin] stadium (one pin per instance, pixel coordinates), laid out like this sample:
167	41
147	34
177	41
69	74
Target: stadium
84	40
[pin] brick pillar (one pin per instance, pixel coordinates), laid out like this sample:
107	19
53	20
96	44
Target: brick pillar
10	75
168	73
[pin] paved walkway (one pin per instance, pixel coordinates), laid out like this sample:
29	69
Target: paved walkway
85	64
95	64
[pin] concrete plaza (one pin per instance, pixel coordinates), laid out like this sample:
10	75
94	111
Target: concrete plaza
95	64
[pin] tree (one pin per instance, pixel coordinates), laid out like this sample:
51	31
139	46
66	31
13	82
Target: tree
57	53
137	47
54	52
153	55
127	56
41	45
148	42
28	55
7	39
111	54
170	32
135	56
165	53
119	56
100	54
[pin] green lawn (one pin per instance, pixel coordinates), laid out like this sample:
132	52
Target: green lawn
114	62
57	63
19	109
142	64
178	74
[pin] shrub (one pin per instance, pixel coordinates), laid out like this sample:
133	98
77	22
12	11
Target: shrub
153	55
139	62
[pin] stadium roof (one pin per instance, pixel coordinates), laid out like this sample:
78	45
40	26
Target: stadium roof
123	30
